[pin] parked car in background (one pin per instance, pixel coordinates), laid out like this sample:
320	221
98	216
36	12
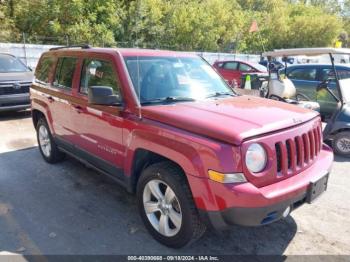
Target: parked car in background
277	64
233	71
306	78
167	127
15	81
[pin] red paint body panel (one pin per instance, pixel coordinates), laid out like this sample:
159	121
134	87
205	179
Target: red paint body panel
232	119
198	136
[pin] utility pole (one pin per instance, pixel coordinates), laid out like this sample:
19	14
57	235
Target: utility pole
24	48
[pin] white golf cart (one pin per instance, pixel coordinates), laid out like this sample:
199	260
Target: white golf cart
337	127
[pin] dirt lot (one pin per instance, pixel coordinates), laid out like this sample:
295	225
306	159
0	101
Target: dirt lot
69	209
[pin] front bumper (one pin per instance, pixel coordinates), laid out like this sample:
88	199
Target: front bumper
14	102
251	216
221	205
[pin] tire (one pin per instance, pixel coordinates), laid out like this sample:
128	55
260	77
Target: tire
341	143
156	180
47	145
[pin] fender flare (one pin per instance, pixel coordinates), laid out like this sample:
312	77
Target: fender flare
177	151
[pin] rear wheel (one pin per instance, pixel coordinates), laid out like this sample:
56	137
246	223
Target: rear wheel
341	143
166	205
47	145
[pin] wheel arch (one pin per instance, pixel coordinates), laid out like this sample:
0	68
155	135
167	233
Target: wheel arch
36	115
143	158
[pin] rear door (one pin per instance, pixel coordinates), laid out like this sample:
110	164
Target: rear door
304	79
99	128
59	100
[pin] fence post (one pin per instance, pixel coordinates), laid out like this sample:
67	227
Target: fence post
24	48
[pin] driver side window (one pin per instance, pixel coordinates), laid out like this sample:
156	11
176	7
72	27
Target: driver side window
97	72
245	68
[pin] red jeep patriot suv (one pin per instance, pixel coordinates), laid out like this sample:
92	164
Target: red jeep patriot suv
166	126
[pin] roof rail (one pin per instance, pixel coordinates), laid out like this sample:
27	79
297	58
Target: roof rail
82	46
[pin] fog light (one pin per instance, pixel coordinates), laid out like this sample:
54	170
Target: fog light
226	178
286	212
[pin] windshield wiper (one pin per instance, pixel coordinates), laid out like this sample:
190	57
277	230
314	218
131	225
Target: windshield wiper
168	99
218	94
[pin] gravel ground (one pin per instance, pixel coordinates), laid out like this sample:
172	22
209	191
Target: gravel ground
69	209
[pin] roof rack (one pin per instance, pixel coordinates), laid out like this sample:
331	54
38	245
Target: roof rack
82	46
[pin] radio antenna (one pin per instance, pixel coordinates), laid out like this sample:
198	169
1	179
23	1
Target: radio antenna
138	84
137	58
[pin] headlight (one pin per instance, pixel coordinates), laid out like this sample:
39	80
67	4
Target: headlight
256	158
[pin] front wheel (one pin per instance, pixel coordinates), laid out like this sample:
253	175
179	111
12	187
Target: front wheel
166	205
341	143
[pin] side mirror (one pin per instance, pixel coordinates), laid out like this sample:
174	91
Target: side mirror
103	95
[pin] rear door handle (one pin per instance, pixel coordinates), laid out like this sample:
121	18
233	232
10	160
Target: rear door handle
78	108
51	99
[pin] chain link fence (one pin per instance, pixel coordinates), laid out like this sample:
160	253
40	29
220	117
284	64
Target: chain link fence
30	49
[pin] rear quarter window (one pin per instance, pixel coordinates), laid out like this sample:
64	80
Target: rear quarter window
42	72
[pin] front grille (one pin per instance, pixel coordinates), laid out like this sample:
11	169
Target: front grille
298	152
11	88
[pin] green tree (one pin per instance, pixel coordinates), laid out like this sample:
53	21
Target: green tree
8	31
210	25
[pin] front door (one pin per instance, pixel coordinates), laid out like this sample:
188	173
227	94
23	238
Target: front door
99	128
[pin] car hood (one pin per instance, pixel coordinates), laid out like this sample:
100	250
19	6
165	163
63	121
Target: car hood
17	76
231	120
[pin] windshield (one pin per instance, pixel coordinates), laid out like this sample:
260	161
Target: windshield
345	91
10	64
260	67
179	78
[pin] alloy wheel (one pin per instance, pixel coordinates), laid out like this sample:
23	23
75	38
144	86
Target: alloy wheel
343	144
162	208
44	141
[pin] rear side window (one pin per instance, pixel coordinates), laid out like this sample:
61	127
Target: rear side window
97	72
43	70
231	65
65	72
308	74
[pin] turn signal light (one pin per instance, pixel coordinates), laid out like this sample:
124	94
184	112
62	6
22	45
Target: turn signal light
226	178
